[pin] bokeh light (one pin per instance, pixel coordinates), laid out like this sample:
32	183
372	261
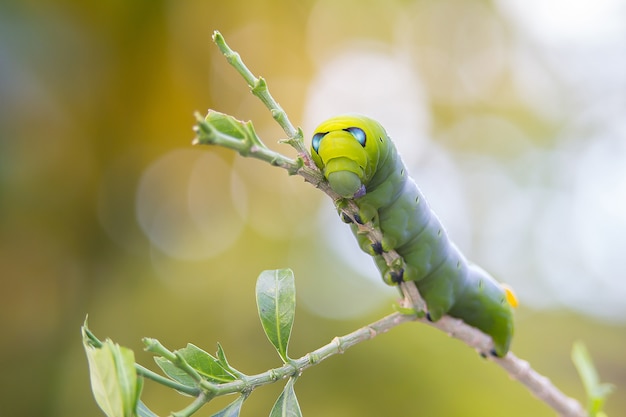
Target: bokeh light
177	210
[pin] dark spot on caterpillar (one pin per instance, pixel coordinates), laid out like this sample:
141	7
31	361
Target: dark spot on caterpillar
378	248
493	353
396	277
380	139
481	284
430	319
483	355
439	233
402	172
458	264
345	218
417	199
358	219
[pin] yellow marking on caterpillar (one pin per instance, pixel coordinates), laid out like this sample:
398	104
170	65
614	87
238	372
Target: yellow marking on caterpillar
510	296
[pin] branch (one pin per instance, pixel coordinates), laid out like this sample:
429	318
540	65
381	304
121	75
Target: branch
296	366
540	386
209	132
258	86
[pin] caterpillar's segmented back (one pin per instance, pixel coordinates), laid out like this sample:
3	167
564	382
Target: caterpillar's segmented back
360	162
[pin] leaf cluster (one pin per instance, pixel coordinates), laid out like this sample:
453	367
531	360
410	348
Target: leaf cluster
117	381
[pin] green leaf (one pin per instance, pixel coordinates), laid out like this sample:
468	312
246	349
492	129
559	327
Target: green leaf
223	129
287	404
206	364
226	124
231	410
596	392
276	302
174	372
221	358
143	411
114	381
89	337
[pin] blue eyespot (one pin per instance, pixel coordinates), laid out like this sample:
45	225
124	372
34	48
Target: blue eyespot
358	134
317	139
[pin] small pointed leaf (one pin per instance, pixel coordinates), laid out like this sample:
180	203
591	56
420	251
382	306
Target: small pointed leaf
287	404
596	392
221	358
231	410
276	303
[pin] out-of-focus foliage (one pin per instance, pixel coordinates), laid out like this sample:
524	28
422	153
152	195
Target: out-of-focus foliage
510	116
114	382
597	392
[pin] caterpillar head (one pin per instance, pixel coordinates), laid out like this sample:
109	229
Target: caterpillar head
348	149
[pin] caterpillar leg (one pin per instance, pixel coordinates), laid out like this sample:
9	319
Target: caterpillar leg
368	213
393	277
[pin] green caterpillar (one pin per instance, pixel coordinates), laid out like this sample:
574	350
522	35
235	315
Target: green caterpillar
360	162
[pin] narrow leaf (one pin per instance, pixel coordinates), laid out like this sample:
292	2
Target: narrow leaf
221	358
287	404
138	389
88	337
231	410
596	392
276	302
114	381
143	411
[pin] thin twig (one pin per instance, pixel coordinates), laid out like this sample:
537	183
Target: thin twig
258	86
296	366
539	385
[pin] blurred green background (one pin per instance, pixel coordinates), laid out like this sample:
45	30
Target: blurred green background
511	117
